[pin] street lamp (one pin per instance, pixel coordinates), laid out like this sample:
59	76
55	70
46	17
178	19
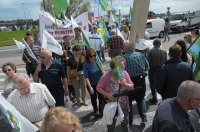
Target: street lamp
24	13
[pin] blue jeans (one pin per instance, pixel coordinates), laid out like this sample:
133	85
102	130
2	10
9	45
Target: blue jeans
153	74
166	35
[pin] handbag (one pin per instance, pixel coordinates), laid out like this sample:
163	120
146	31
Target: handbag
73	72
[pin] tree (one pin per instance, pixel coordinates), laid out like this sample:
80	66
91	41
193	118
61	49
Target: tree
75	8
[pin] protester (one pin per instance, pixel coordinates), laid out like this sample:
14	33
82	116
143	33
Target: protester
146	35
109	85
195	33
115	44
92	75
31	63
188	39
78	40
136	66
125	32
173	73
96	40
156	57
171	115
32	100
10	70
51	73
60	119
185	56
67	52
166	29
76	62
37	39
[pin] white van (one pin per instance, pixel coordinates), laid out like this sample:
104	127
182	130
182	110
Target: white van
155	27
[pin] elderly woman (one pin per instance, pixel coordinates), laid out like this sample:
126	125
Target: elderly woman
76	62
109	85
60	119
92	75
10	70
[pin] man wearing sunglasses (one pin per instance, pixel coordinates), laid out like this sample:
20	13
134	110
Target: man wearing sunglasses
51	73
96	40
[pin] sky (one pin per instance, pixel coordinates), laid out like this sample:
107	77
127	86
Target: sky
14	9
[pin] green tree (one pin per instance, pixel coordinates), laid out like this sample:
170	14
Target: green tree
75	8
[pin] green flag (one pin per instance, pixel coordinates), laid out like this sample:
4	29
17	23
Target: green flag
60	6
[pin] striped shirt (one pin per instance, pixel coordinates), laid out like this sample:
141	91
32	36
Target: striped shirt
35	105
36	51
79	42
136	63
156	57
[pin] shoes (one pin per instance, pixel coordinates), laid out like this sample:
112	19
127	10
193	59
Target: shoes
78	103
144	120
85	103
130	121
154	101
95	113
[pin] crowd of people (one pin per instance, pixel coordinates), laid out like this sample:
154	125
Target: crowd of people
42	101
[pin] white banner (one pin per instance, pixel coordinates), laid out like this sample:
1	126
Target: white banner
47	24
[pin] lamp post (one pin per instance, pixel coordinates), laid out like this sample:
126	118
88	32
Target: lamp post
24	13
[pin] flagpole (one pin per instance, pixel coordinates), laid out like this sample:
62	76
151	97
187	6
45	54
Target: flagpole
94	8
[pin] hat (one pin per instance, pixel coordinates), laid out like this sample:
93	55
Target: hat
35	33
77	28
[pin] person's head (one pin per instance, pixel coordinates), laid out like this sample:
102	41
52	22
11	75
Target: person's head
121	61
113	26
166	20
30	41
125	28
46	57
60	119
90	55
188	38
77	31
182	43
128	46
195	33
156	43
36	35
113	32
94	28
76	50
188	95
175	51
67	40
9	69
21	83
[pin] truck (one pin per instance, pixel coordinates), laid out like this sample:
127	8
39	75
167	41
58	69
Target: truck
183	21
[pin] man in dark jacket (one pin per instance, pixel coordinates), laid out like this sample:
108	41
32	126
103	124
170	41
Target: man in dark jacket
173	73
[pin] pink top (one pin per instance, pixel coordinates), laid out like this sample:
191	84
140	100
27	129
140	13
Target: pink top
111	86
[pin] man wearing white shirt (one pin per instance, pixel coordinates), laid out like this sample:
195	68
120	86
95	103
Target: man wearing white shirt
96	40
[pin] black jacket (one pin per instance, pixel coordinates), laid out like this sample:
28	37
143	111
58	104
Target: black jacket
172	74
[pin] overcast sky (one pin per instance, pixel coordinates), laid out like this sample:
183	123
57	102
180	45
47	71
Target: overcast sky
13	9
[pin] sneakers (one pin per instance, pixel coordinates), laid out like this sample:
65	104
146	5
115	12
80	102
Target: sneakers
154	101
85	103
96	113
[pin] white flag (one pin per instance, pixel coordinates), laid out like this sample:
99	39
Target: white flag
29	50
111	20
51	44
19	44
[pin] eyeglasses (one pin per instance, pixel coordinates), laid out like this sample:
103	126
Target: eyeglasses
91	56
42	57
94	28
5	71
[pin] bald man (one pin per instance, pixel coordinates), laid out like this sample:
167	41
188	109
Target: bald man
171	115
51	73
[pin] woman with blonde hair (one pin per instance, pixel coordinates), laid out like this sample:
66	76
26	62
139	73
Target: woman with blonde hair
125	32
188	39
60	119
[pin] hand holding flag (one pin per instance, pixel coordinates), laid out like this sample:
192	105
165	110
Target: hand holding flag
117	72
29	50
19	44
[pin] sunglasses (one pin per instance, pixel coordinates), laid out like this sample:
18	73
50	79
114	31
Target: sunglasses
5	71
91	56
94	28
42	57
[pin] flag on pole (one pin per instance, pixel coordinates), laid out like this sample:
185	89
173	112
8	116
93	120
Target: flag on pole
29	50
59	6
88	44
118	73
111	20
51	44
19	44
130	14
104	30
96	1
104	4
194	49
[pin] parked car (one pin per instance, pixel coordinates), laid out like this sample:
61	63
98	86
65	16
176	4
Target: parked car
155	27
